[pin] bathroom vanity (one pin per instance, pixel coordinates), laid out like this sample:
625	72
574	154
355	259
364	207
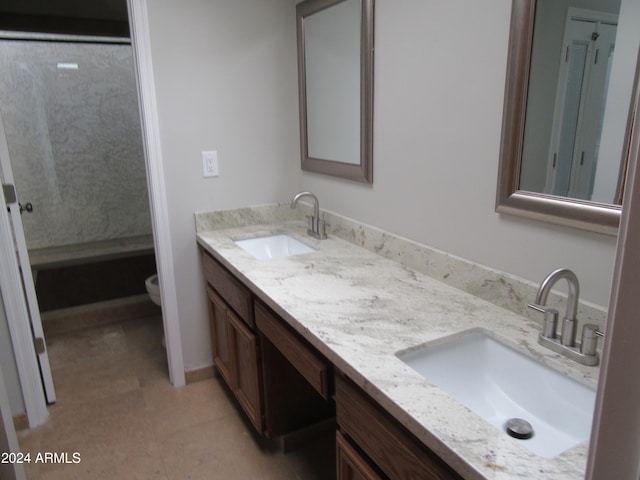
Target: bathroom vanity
305	337
281	382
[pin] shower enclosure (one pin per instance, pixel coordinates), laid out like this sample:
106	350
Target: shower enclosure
71	117
70	111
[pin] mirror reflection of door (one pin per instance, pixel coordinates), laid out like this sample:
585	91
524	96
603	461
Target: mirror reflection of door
585	65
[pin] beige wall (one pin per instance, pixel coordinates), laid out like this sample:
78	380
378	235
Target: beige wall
225	73
439	86
225	76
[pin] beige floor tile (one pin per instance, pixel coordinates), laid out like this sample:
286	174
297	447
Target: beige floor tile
87	348
100	382
175	409
221	449
117	409
145	335
113	459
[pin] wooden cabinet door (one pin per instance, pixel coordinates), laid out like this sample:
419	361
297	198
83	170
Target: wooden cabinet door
220	338
235	356
350	465
247	389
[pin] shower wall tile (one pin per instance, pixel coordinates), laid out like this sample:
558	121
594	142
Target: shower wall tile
75	141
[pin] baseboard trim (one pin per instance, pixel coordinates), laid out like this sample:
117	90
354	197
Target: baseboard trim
199	374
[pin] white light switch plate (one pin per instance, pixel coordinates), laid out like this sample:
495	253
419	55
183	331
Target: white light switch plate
210	163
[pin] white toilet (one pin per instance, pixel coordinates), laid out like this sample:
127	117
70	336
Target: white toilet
153	289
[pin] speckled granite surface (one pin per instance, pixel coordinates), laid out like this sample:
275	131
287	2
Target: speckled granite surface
359	308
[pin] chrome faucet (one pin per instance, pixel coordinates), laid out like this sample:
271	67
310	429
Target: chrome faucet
317	226
568	335
584	353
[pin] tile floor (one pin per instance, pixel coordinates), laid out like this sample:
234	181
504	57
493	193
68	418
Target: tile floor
117	409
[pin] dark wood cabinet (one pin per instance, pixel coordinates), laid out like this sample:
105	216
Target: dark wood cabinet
281	382
234	293
284	385
247	373
388	445
304	358
297	382
220	344
350	464
233	341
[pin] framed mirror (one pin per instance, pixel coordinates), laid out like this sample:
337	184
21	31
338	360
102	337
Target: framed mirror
567	117
335	84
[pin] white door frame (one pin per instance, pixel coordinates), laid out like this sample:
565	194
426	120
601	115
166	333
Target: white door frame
15	212
573	14
10	280
615	437
19	324
140	41
8	437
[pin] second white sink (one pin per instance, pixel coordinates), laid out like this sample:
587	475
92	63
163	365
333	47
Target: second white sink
274	246
499	383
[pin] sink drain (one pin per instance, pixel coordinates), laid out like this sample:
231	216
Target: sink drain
519	428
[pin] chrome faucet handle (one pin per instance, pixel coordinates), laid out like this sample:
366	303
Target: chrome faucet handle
550	320
565	343
590	334
322	228
537	308
316	227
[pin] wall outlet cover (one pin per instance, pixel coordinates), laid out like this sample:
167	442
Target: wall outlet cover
210	163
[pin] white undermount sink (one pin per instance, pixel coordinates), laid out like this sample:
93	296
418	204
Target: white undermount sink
499	383
274	246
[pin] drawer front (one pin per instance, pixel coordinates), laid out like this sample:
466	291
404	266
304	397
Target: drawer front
231	289
394	450
350	465
312	366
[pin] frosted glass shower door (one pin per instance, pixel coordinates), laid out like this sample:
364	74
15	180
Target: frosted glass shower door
73	128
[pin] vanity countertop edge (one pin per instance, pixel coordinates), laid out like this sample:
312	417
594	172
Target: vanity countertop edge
359	309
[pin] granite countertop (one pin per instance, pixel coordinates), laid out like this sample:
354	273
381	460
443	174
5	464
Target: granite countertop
359	308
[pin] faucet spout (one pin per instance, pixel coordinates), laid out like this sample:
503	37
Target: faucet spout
314	199
317	226
574	290
585	353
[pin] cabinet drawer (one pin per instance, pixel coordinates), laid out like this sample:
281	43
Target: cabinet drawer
350	465
387	443
311	365
235	294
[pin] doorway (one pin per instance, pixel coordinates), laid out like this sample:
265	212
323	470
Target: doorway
585	64
70	110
